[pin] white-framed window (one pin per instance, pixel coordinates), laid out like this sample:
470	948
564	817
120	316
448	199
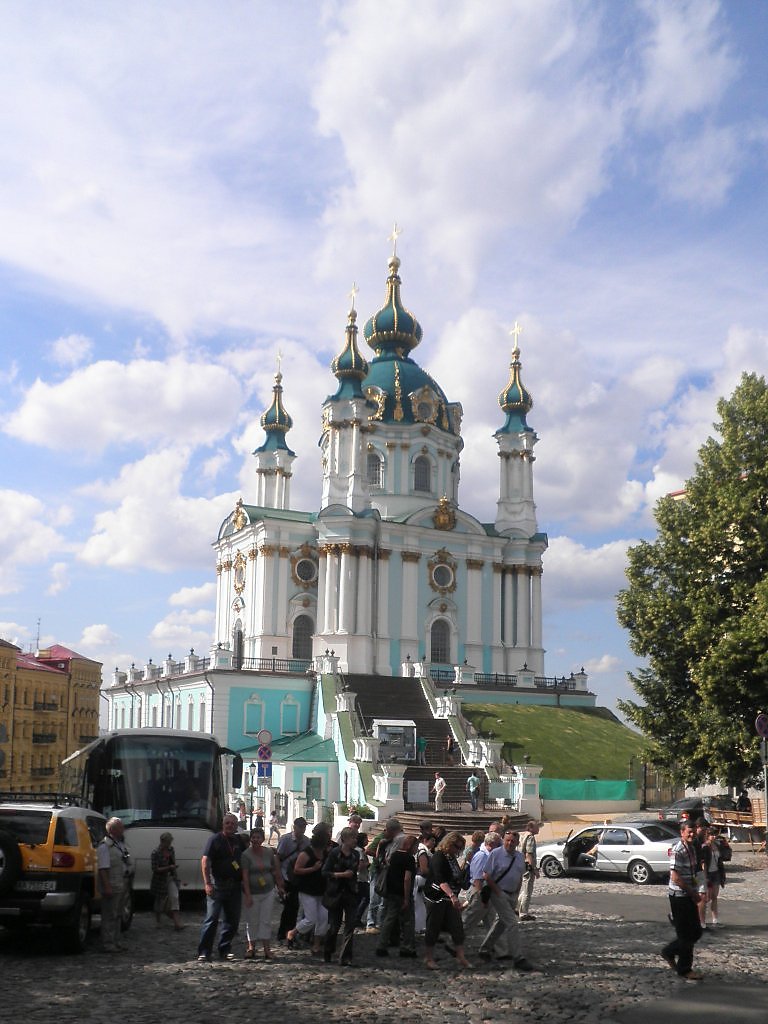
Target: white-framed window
203	710
303	631
374	470
253	715
154	715
440	641
289	716
122	717
190	715
422	474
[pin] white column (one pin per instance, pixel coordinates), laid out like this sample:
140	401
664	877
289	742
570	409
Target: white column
346	590
382	604
363	624
509	607
408	620
474	601
523	608
498	583
536	630
331	589
260	595
322	570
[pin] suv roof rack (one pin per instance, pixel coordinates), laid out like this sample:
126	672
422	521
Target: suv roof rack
56	798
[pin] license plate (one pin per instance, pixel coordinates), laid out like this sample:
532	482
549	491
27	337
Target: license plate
37	885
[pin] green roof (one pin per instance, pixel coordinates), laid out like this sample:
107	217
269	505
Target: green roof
307	747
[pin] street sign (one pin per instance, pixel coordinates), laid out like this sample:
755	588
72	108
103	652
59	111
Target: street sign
761	724
265	770
264	736
264	753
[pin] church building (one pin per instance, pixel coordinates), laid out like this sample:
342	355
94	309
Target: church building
338	627
389	568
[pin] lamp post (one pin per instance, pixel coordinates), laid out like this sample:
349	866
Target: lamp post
252	769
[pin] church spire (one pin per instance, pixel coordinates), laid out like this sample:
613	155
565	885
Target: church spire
276	421
515	509
349	367
515	400
274	458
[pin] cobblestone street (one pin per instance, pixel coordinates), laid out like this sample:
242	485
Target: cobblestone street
595	943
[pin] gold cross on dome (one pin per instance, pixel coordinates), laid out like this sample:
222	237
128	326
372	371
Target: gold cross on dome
516	331
396	232
279	359
353	292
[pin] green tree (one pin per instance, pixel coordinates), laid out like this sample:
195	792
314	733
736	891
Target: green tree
696	606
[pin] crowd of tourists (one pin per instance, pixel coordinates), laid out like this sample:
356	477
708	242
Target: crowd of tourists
412	891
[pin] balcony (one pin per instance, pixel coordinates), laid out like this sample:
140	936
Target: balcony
41	772
43	737
43	705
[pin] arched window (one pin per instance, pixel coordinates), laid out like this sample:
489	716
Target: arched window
440	641
422	474
154	715
237	659
374	470
122	717
303	629
202	716
190	715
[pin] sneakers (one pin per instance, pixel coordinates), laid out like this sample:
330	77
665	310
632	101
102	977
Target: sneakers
692	976
204	958
371	930
229	957
668	960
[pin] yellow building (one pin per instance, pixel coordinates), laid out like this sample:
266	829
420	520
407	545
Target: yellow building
49	707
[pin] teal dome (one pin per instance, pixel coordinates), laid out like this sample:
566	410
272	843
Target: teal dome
275	421
404	393
349	367
393	329
515	400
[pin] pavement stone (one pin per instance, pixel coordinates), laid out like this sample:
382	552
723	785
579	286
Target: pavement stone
595	945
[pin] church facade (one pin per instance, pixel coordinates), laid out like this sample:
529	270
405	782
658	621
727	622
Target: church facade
388	569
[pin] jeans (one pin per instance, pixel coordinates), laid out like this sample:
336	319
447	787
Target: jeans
224	903
685	916
374	904
474	798
346	910
394	911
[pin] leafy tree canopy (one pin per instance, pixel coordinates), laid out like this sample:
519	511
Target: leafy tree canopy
696	604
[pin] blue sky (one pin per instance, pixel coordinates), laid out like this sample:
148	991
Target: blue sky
186	188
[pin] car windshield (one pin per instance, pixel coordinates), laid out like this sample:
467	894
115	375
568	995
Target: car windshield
29	827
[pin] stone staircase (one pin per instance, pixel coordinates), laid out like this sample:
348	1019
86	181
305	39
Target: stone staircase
398	697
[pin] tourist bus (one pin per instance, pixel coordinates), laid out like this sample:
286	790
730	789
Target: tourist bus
157	780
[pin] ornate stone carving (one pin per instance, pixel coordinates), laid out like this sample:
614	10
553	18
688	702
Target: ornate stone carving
241	517
444	517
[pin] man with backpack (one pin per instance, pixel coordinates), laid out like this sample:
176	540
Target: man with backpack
377	850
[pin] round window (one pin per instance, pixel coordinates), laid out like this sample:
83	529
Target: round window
442	575
306	570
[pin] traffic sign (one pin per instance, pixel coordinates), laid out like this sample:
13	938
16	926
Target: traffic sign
761	724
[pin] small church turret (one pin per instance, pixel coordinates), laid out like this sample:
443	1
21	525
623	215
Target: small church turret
516	510
344	416
274	458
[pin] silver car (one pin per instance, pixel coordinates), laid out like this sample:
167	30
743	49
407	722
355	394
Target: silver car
638	849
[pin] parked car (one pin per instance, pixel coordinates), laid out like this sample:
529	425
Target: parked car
48	869
692	807
638	850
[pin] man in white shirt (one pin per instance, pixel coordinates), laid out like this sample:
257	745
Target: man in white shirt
438	789
503	872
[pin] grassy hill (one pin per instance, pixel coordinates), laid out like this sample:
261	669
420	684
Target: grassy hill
571	743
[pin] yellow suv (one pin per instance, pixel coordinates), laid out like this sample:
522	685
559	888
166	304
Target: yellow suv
48	871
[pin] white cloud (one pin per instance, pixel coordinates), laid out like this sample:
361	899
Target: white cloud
118	403
687	60
71	350
192	596
25	536
59	573
152	525
96	636
185	629
16	634
602	665
701	169
576	574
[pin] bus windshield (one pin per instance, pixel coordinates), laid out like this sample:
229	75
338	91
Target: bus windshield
163	780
